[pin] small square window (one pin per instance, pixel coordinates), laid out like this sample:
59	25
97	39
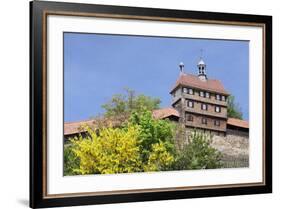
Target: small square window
184	90
217	123
189	117
202	94
204	106
204	121
190	103
218	97
217	109
207	95
190	91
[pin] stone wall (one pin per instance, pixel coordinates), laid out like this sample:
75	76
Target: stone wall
234	147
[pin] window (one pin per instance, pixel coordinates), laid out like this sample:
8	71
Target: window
189	117
190	91
223	98
204	121
218	97
190	103
184	90
217	109
216	122
202	94
207	94
204	106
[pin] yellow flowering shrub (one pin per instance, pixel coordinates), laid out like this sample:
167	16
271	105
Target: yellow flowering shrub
108	151
159	159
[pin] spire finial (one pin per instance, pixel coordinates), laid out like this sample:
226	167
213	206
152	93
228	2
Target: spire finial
201	53
181	65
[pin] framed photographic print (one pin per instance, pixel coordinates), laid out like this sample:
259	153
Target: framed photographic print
140	104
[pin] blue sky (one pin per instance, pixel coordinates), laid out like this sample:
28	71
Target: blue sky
96	66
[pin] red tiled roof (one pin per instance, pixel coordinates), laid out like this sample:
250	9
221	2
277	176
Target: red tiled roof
238	122
76	127
194	81
165	112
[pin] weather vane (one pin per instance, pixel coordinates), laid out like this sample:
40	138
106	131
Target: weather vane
201	53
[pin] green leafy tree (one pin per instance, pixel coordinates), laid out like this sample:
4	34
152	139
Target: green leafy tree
125	104
152	131
198	153
233	109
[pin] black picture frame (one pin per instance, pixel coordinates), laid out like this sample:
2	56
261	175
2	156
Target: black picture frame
38	11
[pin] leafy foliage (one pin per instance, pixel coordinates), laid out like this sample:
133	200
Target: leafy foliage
71	162
138	142
233	109
198	153
113	150
160	159
152	131
124	104
117	150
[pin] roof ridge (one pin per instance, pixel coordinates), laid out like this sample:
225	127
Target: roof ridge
79	121
192	80
189	74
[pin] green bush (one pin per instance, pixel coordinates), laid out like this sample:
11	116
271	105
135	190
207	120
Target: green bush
198	153
71	162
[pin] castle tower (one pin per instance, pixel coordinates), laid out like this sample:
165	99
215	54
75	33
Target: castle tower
200	102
